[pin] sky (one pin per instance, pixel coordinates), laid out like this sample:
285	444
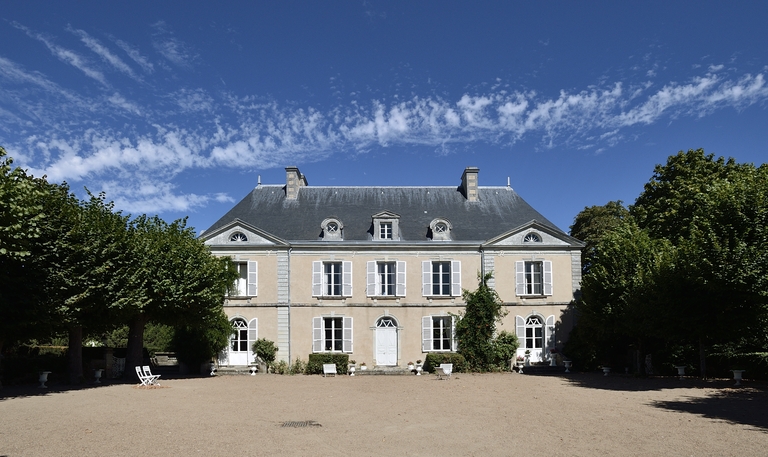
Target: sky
176	108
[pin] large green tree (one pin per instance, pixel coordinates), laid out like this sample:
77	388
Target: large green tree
174	279
594	222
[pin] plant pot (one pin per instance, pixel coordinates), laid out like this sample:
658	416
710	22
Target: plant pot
252	369
97	375
410	366
567	366
43	379
213	368
418	370
363	367
606	370
351	371
737	376
681	371
552	360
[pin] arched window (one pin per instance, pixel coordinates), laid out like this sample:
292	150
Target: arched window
238	236
440	229
532	237
332	229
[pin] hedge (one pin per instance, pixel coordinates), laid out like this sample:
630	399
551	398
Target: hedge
434	359
316	361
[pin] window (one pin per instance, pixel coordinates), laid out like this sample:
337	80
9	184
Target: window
241	340
331	279
332	229
332	334
440	230
441	278
238	236
532	238
534	333
438	334
246	285
385	231
533	278
385	279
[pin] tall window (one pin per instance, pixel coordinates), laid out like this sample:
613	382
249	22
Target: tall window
533	278
534	333
385	279
437	334
331	279
441	278
239	339
332	334
385	231
246	285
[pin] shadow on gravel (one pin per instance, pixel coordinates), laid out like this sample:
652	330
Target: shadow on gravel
54	387
746	405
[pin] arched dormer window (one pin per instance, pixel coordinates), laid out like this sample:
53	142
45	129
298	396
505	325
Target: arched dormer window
238	237
532	237
440	229
332	229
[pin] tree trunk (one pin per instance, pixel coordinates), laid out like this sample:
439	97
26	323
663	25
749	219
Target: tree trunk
702	359
1	363
135	350
75	355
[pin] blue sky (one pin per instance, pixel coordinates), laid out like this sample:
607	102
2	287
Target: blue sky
175	108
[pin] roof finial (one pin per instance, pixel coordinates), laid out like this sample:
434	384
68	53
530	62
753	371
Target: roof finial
259	181
508	184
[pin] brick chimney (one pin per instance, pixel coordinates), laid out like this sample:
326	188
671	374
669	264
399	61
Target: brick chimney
293	181
469	183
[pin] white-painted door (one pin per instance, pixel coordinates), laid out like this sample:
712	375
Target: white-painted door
386	346
238	343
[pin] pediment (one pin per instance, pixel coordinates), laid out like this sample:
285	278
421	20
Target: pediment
386	215
227	235
533	234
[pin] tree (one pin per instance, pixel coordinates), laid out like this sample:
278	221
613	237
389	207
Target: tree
173	279
594	222
476	326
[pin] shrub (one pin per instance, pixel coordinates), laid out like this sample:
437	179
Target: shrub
434	359
265	350
504	349
195	345
280	367
298	367
316	361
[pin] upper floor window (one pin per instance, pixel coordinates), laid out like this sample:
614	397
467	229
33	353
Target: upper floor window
533	278
441	278
331	279
385	231
386	226
247	283
385	279
238	236
532	237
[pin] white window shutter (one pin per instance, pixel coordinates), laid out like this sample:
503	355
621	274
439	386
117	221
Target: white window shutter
347	344
426	334
346	274
454	340
370	288
520	330
400	292
253	278
253	335
547	277
317	334
317	278
550	336
456	278
520	277
426	278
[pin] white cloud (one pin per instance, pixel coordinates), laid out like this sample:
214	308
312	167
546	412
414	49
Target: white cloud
136	56
173	49
107	55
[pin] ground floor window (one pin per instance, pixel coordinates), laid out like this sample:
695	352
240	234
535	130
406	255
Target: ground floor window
332	334
438	334
243	336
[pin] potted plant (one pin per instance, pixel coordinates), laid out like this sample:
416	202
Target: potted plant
527	357
352	367
553	357
410	365
266	351
363	367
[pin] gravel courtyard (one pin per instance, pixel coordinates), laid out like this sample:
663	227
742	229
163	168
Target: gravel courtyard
489	414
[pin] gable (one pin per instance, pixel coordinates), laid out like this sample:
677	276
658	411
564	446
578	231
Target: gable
547	236
249	236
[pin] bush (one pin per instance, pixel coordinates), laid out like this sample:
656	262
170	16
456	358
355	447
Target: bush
280	367
265	350
434	359
195	345
316	361
504	349
298	367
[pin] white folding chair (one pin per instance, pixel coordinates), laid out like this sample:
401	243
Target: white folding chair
444	371
151	378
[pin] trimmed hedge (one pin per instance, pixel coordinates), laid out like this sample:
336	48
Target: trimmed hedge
755	364
316	361
434	359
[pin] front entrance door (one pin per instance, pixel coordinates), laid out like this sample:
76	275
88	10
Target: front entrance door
243	336
386	341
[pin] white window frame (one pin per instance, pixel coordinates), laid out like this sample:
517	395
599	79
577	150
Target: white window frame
375	282
427	333
247	285
319	328
427	289
547	327
523	285
386	230
251	334
320	279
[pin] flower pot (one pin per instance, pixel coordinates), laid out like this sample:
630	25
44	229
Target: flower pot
213	368
351	371
567	366
363	367
97	375
606	370
552	360
43	379
410	366
737	376
252	369
681	371
418	370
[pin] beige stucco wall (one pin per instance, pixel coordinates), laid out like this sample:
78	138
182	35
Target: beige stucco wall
562	286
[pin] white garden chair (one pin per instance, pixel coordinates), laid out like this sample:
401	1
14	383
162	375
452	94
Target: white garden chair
444	371
146	377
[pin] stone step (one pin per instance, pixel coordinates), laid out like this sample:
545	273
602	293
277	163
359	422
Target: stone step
390	371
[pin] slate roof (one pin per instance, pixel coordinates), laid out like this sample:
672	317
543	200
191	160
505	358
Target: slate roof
498	210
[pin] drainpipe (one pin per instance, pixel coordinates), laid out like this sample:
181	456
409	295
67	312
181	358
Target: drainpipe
289	306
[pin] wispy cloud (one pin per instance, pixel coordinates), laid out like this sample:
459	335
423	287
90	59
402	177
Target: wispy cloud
241	133
65	55
173	49
136	56
94	45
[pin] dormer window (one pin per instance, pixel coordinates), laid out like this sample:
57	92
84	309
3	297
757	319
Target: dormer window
532	238
238	237
386	226
440	230
332	229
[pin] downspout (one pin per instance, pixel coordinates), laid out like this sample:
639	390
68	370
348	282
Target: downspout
289	306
